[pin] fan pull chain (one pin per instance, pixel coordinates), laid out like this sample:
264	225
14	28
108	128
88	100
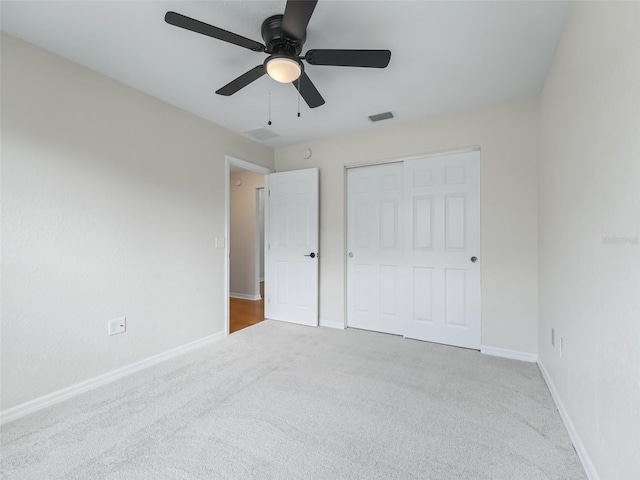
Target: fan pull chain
269	122
298	97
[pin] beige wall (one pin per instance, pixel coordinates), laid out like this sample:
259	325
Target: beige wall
111	201
589	190
244	234
508	137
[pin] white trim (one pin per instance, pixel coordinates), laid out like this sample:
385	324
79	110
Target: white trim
227	251
267	303
259	249
248	165
332	324
587	464
244	296
31	406
437	153
512	354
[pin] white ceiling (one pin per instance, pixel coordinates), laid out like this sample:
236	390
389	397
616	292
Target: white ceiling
446	56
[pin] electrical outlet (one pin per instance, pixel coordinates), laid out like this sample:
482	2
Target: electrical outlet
117	325
553	337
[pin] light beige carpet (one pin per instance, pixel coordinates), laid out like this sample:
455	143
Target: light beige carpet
281	401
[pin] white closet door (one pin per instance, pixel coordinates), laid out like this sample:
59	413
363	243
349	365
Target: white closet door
291	277
413	247
374	246
442	249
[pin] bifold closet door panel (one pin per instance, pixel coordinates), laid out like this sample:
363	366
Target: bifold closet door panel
413	248
374	248
442	249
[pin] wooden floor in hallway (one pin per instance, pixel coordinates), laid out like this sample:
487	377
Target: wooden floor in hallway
244	313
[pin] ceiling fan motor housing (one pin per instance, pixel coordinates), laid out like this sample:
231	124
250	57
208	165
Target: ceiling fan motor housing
276	41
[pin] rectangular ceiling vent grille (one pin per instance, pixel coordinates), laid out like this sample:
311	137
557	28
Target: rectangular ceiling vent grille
261	133
381	116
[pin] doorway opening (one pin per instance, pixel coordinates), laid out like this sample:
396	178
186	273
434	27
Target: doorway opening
245	246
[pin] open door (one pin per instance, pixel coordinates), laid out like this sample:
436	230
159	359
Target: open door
291	267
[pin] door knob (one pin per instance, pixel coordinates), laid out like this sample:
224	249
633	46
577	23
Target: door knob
474	259
350	254
312	255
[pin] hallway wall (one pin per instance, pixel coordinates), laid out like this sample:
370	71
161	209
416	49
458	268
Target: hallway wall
244	234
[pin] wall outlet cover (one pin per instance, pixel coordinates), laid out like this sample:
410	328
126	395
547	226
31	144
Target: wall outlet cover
117	325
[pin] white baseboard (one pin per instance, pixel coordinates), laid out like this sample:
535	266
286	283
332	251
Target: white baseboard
331	324
31	406
587	464
512	354
244	296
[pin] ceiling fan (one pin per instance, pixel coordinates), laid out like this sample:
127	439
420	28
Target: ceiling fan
284	36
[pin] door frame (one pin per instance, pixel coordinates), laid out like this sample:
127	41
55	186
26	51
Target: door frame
258	231
402	158
228	161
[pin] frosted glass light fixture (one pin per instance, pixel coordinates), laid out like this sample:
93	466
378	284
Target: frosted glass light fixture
283	69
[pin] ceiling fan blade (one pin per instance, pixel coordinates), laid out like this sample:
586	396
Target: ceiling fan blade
242	81
308	91
297	14
197	26
349	58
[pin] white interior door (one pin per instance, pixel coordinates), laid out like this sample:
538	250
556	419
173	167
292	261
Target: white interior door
413	246
291	275
374	246
442	249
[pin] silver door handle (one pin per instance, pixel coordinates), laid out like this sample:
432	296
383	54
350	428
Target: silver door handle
312	255
474	259
350	254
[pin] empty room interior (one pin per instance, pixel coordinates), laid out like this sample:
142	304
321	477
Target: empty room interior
320	240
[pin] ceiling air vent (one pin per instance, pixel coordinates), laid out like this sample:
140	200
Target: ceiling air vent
261	134
381	116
